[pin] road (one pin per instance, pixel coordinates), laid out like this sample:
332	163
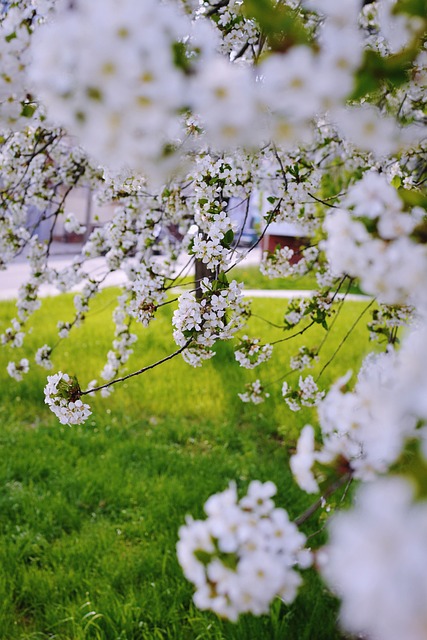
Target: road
62	256
18	273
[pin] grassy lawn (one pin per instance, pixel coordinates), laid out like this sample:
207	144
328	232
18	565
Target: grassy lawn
253	279
89	515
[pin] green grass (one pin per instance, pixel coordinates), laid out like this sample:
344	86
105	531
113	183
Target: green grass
89	515
253	279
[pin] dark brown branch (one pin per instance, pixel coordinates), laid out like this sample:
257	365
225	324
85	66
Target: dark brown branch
217	7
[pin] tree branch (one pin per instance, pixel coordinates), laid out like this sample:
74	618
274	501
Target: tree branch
137	373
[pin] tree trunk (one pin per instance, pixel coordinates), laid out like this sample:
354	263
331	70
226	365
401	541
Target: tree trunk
201	272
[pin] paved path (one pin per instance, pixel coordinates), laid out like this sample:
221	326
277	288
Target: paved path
62	256
288	294
18	273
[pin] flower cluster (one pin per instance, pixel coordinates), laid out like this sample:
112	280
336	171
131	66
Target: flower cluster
304	359
296	311
42	357
372	238
62	395
307	394
17	370
375	561
218	316
244	554
251	353
386	320
255	393
72	225
364	430
284	262
125	107
122	344
234	125
16	27
147	294
13	336
222	188
278	264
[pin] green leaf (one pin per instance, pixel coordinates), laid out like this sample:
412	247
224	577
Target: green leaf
411	7
369	223
396	182
413	198
203	556
191	247
223	278
28	110
168	150
376	70
228	238
413	465
215	286
180	57
229	560
282	25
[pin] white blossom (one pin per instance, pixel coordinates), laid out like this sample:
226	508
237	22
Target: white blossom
254	393
261	545
42	357
62	395
308	394
302	461
17	371
375	562
250	353
198	325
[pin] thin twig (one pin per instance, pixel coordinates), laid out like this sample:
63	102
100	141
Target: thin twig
359	317
137	373
343	497
242	227
340	308
174	280
275	210
299	333
272	324
327	204
316	505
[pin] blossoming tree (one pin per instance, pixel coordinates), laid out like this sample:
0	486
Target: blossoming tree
169	109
